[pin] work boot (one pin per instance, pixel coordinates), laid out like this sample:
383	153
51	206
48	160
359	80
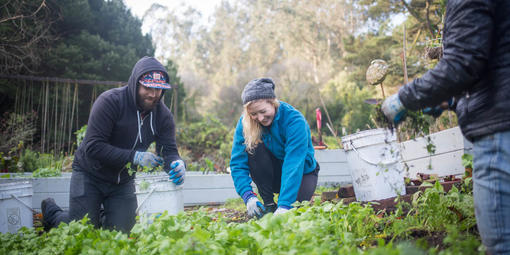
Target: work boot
270	208
48	208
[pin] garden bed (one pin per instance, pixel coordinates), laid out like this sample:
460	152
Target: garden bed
346	194
427	225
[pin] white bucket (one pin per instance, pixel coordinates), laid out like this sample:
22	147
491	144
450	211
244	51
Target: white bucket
155	193
376	169
15	206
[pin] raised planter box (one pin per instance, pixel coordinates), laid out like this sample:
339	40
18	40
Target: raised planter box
55	187
15	202
200	189
334	167
449	144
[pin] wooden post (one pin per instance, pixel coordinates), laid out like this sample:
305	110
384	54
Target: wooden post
404	58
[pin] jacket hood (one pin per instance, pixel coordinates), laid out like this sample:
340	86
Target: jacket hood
143	65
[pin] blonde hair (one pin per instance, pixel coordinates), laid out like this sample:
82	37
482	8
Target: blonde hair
252	130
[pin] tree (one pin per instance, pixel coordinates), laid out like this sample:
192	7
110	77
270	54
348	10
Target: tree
346	105
298	44
174	98
98	40
303	45
428	14
90	39
24	33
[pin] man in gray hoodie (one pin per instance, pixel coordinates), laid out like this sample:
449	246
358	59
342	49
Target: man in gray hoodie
122	124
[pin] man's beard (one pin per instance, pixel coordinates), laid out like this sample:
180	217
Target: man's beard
146	106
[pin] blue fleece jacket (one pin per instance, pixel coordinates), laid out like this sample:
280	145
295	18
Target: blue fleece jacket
289	139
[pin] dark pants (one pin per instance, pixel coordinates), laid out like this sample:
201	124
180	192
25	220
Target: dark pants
266	173
88	195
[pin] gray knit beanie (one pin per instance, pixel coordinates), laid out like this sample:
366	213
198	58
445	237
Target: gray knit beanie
258	89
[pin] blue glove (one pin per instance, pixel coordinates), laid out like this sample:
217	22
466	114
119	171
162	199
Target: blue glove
433	111
253	206
393	108
147	159
436	111
177	172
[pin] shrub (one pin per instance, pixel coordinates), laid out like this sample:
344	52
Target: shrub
205	145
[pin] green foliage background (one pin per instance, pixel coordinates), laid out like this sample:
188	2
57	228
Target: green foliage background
315	50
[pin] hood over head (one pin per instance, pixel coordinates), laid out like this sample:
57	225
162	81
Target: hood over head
141	67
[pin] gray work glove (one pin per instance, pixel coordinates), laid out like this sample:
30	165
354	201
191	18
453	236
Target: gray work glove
147	159
253	206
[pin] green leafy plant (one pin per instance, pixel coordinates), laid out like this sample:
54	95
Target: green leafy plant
16	129
80	134
144	185
467	160
208	144
47	172
142	169
327	228
29	160
431	149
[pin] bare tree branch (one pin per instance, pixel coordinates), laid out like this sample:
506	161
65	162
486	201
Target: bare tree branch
24	31
417	16
43	4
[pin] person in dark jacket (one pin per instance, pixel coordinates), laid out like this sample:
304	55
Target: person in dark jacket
475	70
273	147
122	124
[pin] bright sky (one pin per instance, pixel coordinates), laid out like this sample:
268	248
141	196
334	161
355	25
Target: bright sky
206	7
138	7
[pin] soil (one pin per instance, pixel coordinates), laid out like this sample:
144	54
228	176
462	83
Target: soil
434	53
380	119
232	215
427	238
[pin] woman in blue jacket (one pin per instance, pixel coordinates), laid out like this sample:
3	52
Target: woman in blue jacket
273	148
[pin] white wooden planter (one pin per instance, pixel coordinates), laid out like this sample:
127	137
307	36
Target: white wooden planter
15	202
334	168
200	189
55	187
450	145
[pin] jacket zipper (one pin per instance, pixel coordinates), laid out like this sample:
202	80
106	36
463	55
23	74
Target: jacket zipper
134	146
118	178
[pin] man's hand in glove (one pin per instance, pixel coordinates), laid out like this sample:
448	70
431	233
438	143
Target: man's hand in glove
438	110
147	159
177	171
393	108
